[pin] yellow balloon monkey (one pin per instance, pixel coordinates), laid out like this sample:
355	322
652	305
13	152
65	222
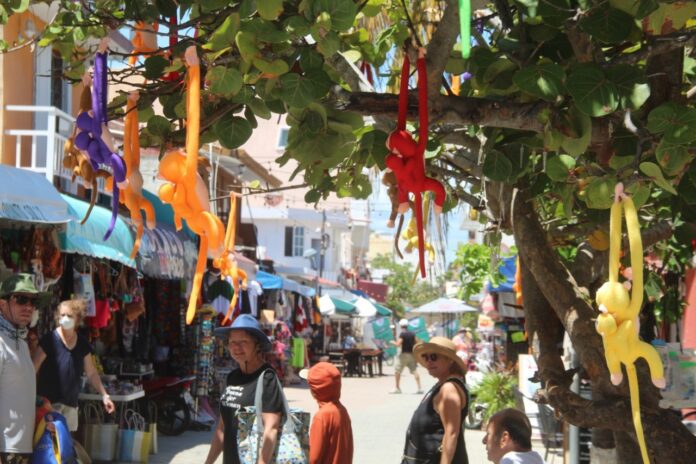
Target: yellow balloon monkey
186	191
618	320
227	263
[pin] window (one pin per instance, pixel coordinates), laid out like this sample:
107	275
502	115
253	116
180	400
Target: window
316	245
283	138
294	241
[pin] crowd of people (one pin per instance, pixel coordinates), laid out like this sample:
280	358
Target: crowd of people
435	433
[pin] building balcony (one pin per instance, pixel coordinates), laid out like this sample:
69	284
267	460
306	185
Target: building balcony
40	149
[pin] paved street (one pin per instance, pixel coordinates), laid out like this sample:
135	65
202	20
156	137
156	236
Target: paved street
379	421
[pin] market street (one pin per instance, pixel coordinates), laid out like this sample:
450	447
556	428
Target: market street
379	422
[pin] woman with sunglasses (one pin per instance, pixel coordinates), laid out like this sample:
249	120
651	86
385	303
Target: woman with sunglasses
436	432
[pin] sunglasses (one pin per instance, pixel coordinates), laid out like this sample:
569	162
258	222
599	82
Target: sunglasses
432	357
24	300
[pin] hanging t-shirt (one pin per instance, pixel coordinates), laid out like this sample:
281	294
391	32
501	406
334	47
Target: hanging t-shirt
239	393
60	373
255	291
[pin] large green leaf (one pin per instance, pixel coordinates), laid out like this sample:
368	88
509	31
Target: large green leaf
530	5
594	94
232	131
154	67
631	84
558	167
555	12
672	158
224	80
607	24
223	36
342	12
273	68
158	125
299	91
543	80
246	43
497	166
269	9
600	193
653	171
636	8
677	122
259	108
576	146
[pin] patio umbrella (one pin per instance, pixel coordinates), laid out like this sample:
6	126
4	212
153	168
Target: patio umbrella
329	305
445	306
365	307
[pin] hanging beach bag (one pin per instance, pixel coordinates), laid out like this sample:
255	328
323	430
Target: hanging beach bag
293	440
100	438
53	447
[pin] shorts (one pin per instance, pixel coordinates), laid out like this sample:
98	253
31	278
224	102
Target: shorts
405	360
15	458
70	414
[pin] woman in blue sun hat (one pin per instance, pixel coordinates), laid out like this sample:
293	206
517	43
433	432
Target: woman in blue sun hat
247	345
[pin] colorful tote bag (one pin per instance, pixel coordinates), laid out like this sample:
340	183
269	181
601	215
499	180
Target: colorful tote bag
53	448
100	437
293	442
133	439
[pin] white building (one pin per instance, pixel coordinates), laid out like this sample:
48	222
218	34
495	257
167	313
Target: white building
289	231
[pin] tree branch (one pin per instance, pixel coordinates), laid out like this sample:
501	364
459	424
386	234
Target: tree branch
440	46
656	47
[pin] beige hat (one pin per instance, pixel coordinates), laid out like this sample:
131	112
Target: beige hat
443	347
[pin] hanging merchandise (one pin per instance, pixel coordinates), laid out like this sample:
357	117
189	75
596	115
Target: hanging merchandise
203	344
299	350
84	289
619	312
406	158
227	262
185	189
465	26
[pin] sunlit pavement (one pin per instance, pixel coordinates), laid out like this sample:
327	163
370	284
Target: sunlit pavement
379	422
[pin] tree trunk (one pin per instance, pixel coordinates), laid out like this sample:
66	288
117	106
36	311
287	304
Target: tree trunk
666	437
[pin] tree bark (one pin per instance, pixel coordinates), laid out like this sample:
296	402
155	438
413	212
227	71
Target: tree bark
667	438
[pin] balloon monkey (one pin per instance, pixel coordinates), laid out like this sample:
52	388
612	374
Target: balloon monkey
227	263
407	159
94	136
465	26
132	196
618	320
410	235
144	41
77	161
186	191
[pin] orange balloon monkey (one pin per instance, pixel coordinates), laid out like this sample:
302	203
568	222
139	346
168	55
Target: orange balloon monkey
132	196
144	41
186	191
227	263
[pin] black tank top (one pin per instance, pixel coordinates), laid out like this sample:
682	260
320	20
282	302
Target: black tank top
425	432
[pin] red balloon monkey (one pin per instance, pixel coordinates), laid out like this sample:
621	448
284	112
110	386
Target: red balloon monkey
407	158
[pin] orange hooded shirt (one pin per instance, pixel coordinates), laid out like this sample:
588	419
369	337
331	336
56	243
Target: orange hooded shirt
331	434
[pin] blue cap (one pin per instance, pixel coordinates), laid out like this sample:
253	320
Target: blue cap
249	324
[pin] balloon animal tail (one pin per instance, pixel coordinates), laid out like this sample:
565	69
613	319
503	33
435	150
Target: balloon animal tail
635	411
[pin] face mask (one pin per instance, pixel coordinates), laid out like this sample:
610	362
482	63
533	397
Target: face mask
34	319
67	322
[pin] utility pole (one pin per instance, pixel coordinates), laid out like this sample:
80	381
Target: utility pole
322	250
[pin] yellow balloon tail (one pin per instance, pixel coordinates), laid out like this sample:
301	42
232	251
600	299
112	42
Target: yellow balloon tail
138	236
635	411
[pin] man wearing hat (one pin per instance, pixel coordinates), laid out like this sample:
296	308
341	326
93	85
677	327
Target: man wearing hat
247	345
18	296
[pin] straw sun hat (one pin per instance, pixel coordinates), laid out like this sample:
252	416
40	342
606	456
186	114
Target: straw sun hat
443	347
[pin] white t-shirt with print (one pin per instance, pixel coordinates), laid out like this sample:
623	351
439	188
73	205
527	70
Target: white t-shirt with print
17	396
522	457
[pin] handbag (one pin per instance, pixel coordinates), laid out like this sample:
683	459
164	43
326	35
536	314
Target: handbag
100	438
53	448
152	426
293	441
133	438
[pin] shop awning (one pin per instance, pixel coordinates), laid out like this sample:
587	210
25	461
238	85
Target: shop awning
507	268
383	310
292	286
269	281
27	196
329	305
87	239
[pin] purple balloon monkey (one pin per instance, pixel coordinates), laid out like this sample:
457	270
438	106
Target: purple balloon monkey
93	140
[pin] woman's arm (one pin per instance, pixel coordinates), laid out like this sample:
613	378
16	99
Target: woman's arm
95	380
271	427
448	404
38	358
216	442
